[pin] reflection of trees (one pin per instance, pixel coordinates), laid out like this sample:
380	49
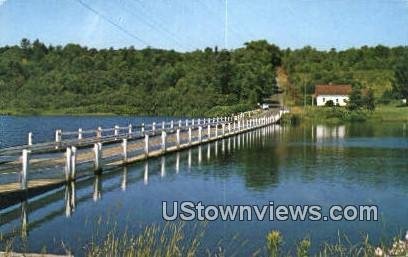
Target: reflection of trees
261	164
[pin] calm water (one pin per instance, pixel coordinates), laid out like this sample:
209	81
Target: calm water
14	129
352	164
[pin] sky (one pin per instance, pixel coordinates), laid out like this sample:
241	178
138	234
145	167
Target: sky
186	25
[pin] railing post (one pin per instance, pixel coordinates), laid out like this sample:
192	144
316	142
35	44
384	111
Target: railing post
98	157
234	126
179	124
223	129
142	130
30	138
216	130
73	162
192	122
25	159
99	132
163	125
125	147
68	162
189	135
229	127
116	131
58	135
171	124
199	121
146	146
178	138
154	128
200	134
163	143
79	133
130	127
186	122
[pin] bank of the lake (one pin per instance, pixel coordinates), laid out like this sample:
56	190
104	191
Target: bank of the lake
339	115
124	110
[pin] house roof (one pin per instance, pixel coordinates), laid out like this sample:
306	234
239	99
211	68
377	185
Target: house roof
332	90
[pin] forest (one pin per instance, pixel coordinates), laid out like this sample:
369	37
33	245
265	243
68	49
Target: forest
380	69
73	79
35	78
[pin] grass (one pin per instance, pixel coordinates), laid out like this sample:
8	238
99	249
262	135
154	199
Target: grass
174	240
336	115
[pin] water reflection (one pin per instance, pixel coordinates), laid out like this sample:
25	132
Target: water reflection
264	160
70	200
97	193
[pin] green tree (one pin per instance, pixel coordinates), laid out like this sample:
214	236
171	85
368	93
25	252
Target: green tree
356	100
400	84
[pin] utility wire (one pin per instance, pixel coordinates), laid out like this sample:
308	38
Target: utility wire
158	22
127	32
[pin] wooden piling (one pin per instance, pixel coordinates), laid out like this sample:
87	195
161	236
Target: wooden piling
178	138
146	146
30	138
58	136
68	162
73	162
98	157
99	132
189	136
116	131
163	141
25	159
125	149
130	128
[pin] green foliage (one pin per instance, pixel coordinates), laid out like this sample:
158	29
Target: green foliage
274	243
365	67
401	78
356	99
35	78
303	247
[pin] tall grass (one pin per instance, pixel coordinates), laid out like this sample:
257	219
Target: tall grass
174	240
167	241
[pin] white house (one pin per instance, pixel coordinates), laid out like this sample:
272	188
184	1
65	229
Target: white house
339	94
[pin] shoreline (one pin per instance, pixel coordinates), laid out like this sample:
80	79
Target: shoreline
339	115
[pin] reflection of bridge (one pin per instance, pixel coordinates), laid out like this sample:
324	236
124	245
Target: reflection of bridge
63	201
323	132
44	166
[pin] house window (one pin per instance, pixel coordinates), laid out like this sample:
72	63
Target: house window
337	100
324	99
345	100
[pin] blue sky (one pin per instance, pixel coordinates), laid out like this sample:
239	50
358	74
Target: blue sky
190	24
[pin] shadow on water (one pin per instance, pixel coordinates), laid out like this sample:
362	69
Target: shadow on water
353	164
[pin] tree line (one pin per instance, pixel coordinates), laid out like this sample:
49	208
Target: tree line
381	70
76	79
36	78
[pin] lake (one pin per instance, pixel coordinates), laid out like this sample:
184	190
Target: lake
353	164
